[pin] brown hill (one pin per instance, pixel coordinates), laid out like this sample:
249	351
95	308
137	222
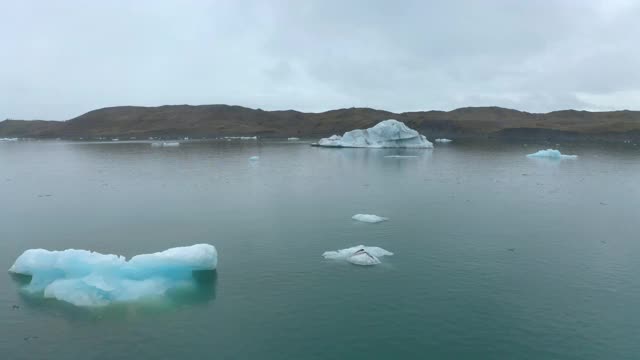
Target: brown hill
224	120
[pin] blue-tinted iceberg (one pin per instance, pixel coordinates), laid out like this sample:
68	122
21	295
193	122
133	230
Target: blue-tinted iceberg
358	255
369	218
551	153
86	278
386	134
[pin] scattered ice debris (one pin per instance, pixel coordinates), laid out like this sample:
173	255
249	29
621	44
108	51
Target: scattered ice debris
86	278
165	144
254	158
293	139
551	153
8	139
400	156
358	255
369	218
386	134
444	141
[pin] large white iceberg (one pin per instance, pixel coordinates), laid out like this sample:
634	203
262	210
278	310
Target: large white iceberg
386	134
369	218
86	278
551	153
358	255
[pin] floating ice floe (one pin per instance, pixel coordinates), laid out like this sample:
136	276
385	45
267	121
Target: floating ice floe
401	156
293	139
8	139
369	218
165	144
444	141
254	158
86	278
552	154
386	134
358	255
241	137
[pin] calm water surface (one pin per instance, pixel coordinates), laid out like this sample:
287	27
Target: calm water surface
497	256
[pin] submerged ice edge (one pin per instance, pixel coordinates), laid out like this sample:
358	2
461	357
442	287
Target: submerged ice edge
86	278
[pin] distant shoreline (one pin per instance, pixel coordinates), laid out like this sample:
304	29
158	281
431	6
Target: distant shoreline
211	121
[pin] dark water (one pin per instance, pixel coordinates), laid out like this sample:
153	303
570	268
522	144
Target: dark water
497	256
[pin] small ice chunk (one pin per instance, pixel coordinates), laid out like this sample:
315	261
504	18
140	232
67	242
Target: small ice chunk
444	141
369	218
552	154
293	139
254	158
86	278
386	134
400	156
8	139
358	255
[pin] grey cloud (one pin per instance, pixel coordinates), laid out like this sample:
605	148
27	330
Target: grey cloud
66	57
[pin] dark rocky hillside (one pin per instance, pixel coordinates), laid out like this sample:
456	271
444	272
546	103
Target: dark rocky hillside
223	120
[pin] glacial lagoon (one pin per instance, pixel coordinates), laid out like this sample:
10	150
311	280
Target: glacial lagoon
495	254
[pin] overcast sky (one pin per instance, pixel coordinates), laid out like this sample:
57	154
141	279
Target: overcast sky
59	59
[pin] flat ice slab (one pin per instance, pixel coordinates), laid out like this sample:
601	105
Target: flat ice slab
165	144
293	139
386	134
444	141
86	278
552	154
241	137
254	158
369	218
358	255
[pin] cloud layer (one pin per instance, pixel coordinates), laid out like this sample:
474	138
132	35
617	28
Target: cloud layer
63	58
